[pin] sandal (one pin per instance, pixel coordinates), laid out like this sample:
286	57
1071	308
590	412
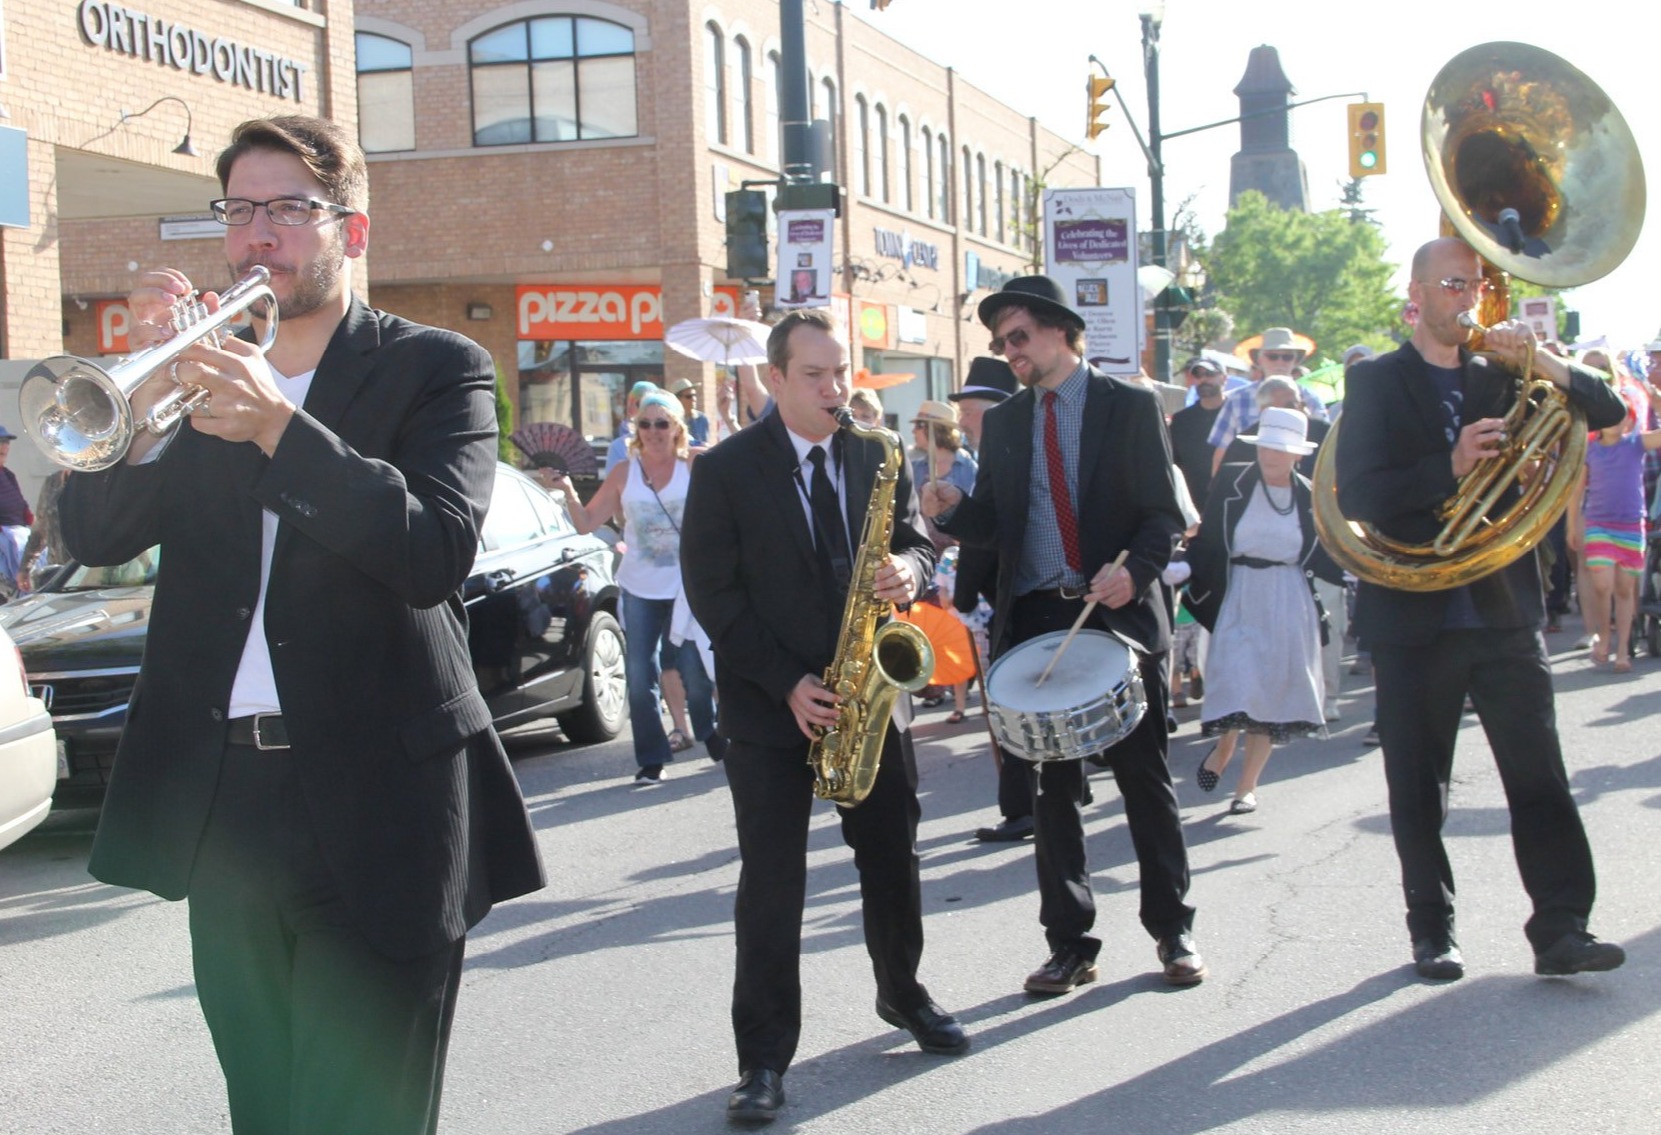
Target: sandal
1623	666
1204	777
679	742
955	717
1600	650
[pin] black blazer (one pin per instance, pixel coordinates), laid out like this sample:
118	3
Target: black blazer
1394	469
1126	499
1209	553
380	484
754	582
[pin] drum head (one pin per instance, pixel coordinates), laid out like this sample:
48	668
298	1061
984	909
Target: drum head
1096	661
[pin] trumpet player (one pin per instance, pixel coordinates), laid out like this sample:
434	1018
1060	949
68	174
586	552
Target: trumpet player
1416	420
307	758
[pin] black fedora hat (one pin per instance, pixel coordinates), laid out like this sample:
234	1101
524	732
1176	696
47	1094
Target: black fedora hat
989	378
1039	293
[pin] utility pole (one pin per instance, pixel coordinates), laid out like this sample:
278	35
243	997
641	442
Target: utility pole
1152	15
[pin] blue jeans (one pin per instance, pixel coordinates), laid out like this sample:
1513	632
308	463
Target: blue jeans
646	627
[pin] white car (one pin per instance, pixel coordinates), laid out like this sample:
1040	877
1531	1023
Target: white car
29	761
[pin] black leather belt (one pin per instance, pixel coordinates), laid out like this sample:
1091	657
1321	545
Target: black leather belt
261	730
1070	594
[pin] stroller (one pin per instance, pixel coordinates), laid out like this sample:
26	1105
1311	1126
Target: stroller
1648	619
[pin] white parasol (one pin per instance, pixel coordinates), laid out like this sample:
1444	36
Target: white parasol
720	339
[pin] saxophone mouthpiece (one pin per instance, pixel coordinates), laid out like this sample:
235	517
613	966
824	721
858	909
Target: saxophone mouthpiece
844	416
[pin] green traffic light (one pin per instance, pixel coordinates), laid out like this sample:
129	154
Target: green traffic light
1368	159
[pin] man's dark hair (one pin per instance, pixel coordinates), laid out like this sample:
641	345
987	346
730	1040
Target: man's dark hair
1044	318
778	343
329	152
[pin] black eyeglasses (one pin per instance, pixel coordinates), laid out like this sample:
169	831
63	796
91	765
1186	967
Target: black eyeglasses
289	211
1017	338
1204	372
1458	285
654	423
1281	356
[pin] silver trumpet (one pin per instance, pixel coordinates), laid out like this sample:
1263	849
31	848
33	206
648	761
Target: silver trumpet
81	415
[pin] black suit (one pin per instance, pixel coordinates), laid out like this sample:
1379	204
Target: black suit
1394	469
396	795
1125	501
755	584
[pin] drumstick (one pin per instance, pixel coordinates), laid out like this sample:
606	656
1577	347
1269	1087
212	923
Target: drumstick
1077	623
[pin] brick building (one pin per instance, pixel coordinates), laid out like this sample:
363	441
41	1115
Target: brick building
546	176
556	170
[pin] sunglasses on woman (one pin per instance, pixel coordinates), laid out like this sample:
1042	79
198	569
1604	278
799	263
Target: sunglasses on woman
654	423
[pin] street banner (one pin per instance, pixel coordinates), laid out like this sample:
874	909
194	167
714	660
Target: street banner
1090	250
806	238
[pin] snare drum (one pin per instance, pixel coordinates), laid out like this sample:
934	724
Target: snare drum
1089	703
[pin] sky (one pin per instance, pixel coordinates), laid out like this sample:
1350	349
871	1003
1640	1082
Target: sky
1034	56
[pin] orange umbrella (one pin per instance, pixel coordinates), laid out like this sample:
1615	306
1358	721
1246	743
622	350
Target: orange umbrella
1244	348
954	650
864	378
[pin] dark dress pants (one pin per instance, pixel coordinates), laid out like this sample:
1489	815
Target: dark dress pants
1421	694
1014	785
772	795
317	1033
1067	908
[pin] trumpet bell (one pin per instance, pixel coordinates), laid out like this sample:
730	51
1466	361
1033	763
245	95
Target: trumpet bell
76	413
1512	127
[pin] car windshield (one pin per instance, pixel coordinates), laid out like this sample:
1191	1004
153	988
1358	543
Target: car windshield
137	572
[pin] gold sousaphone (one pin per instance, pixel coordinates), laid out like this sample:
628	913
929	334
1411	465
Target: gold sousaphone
1536	169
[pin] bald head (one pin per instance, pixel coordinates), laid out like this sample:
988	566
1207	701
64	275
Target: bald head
1435	254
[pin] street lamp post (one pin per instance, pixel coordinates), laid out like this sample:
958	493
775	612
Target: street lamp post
1153	14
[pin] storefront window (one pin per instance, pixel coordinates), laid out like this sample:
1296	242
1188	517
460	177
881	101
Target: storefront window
584	385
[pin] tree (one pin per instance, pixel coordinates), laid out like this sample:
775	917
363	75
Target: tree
505	449
1323	274
1203	327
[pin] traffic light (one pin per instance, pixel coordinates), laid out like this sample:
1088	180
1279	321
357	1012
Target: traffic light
1098	105
1366	139
747	235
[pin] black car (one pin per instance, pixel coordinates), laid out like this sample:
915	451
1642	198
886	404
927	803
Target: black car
542	607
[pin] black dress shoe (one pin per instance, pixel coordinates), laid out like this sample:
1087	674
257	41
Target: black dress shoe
1182	961
935	1029
1439	959
758	1097
1578	953
1064	972
1016	828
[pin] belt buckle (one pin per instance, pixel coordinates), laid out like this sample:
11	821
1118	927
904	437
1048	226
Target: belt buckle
1071	593
259	739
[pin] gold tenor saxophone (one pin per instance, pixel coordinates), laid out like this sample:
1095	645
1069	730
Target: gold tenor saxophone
873	662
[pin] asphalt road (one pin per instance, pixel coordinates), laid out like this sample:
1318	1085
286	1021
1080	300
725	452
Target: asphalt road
600	1004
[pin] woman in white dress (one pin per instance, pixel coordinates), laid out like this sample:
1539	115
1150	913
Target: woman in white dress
1254	561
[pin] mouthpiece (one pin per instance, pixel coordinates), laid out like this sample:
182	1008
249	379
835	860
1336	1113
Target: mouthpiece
1468	319
844	416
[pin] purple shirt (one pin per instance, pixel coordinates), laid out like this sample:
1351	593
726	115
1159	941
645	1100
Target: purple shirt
13	508
1615	481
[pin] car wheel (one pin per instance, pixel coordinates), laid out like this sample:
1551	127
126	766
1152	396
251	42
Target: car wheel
605	703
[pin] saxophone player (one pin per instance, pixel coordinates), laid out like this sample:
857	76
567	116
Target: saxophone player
772	520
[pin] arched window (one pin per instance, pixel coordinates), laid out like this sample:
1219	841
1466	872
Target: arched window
744	95
553	79
905	164
980	190
833	112
386	94
945	204
882	152
862	144
968	190
715	85
775	100
998	180
928	172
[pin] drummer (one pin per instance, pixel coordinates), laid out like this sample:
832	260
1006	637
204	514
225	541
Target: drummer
1059	504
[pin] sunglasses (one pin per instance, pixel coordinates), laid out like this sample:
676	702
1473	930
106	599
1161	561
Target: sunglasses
1017	338
1458	285
1280	356
654	423
1204	372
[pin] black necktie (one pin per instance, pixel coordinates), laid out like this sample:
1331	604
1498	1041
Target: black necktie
830	535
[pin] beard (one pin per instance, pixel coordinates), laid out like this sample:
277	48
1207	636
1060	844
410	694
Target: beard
1208	390
311	285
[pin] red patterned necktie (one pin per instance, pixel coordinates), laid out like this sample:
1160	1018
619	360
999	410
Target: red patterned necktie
1063	503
